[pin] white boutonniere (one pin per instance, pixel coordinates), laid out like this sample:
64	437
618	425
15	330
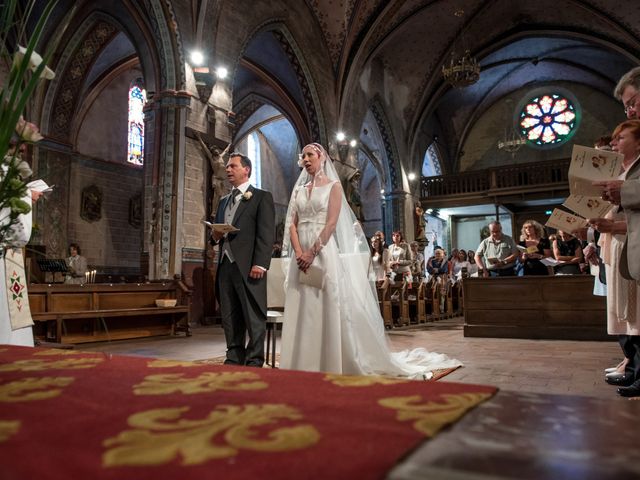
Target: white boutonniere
246	196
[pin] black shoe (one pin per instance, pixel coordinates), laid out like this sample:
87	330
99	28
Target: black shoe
622	381
631	391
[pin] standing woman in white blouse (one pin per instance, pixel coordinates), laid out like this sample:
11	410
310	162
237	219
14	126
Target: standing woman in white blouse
379	256
399	257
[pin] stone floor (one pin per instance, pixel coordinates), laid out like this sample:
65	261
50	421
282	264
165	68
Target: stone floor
535	366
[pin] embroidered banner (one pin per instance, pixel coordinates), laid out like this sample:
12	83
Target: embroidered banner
16	286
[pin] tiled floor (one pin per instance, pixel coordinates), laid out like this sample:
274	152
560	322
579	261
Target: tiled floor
540	366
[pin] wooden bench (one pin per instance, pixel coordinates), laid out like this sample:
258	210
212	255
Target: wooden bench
558	307
96	312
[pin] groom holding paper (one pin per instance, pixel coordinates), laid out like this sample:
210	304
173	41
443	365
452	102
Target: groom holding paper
243	259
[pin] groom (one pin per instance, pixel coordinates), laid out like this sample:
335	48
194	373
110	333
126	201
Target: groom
243	259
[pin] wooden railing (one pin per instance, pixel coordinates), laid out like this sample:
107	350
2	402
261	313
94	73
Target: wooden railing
551	174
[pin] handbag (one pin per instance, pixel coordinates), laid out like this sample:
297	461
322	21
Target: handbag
313	278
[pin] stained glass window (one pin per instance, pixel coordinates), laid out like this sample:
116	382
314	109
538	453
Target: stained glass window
548	119
135	151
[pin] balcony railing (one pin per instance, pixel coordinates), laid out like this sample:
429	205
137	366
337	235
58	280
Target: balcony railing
499	180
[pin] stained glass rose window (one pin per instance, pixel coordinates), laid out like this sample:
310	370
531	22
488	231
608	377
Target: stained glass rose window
548	119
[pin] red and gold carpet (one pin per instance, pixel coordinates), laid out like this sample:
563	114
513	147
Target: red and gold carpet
67	414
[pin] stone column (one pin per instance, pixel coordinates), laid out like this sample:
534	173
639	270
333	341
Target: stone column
165	119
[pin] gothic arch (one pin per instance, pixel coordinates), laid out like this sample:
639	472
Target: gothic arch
312	104
391	152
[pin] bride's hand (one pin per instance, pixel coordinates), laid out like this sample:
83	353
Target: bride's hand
304	261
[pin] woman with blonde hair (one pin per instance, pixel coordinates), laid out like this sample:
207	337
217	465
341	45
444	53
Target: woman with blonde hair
534	247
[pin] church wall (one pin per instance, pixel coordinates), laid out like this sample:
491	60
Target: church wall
103	133
600	114
468	230
111	241
110	244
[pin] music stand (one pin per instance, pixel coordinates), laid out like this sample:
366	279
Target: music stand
53	265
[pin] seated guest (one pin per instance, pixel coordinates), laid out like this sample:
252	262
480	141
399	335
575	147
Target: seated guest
473	266
568	250
378	258
496	254
532	237
438	265
459	263
399	257
417	266
77	265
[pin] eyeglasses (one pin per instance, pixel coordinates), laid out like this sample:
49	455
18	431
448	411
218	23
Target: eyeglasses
631	104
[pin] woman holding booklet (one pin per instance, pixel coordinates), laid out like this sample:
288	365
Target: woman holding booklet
332	321
623	296
533	247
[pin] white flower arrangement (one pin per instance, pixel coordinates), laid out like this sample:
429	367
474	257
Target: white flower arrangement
16	88
246	196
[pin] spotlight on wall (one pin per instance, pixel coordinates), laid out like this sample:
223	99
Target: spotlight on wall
197	58
412	176
340	136
221	73
353	143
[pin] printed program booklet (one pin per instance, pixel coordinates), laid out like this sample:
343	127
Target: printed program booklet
590	165
561	220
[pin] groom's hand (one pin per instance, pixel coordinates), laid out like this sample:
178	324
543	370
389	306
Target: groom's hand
256	272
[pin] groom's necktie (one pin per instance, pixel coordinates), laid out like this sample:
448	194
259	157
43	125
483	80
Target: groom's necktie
234	193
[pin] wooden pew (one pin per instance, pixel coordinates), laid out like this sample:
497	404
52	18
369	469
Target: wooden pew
399	304
384	302
560	307
97	312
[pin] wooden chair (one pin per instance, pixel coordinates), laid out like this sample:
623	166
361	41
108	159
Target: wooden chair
275	308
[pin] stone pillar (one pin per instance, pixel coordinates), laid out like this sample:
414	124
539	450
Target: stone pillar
165	119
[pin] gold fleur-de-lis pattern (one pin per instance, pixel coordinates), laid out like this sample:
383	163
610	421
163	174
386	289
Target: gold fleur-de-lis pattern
57	352
35	365
162	435
165	384
170	364
33	388
430	416
361	381
8	428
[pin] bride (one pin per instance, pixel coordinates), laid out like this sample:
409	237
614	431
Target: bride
332	322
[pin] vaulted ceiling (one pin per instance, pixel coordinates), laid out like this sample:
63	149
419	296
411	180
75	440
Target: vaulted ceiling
394	50
391	52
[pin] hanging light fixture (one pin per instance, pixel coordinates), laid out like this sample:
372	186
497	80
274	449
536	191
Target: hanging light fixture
512	141
461	71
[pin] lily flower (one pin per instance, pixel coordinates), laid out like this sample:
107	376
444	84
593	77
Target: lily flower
34	62
28	131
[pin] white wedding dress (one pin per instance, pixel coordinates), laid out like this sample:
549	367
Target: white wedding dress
339	328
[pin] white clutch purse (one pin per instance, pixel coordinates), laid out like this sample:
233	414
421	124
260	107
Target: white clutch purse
314	277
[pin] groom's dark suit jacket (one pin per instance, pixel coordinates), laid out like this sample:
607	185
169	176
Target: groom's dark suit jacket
253	244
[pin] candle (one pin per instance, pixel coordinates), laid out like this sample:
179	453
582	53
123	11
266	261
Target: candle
86	277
